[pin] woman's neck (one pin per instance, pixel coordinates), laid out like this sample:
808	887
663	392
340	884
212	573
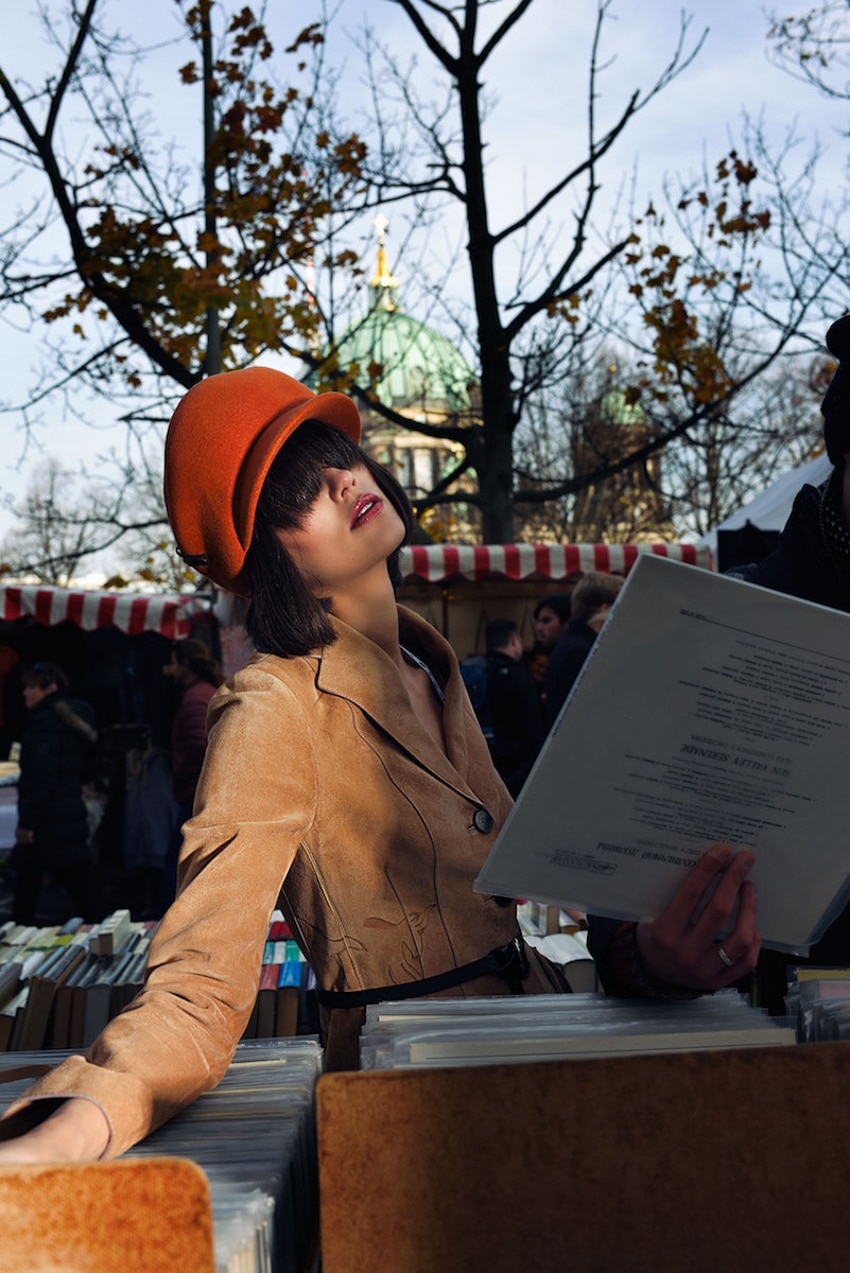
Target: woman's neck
373	613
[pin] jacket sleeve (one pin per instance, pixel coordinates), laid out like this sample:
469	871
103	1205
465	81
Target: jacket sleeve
614	948
256	796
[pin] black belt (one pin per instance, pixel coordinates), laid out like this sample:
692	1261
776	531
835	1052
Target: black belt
505	961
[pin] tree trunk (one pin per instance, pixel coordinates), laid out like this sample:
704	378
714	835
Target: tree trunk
493	454
494	458
212	357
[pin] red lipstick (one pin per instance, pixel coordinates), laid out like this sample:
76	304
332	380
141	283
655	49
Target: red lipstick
366	508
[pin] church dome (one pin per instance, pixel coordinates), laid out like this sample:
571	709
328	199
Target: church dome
410	367
421	371
615	406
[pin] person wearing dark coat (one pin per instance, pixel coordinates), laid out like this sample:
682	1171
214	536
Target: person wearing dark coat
811	561
52	836
592	598
510	714
565	662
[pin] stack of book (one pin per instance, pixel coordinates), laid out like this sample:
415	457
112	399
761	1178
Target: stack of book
59	987
281	1009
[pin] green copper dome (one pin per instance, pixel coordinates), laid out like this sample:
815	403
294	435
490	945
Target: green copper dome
421	369
615	408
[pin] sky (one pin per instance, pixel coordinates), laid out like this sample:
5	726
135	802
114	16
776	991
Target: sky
537	87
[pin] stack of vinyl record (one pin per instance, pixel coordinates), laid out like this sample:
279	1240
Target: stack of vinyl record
437	1032
254	1137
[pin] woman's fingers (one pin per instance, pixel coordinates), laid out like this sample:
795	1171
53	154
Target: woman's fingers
721	904
682	912
680	946
741	947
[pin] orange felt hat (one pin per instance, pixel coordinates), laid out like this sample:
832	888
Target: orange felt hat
220	445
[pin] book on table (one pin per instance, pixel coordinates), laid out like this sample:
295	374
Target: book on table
267	1000
35	1029
289	987
708	710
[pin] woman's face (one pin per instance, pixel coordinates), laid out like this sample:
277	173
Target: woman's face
178	669
349	531
33	694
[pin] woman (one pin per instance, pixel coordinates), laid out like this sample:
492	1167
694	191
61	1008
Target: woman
346	780
199	675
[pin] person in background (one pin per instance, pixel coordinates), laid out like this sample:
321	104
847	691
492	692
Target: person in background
592	598
346	781
10	690
199	675
535	660
812	561
551	615
510	714
57	753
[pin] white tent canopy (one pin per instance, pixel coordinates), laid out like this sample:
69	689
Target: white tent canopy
770	508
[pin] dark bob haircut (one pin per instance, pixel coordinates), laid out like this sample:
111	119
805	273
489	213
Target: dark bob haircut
560	603
197	658
283	616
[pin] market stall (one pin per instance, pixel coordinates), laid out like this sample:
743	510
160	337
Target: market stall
460	587
169	615
114	647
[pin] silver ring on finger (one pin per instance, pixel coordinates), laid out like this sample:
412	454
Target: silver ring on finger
724	957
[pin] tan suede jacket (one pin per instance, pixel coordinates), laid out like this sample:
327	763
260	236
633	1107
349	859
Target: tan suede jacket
323	793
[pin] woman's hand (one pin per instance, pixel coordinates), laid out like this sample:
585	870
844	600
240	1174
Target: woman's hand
679	947
76	1131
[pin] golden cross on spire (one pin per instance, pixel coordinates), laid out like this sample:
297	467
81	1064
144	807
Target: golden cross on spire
382	281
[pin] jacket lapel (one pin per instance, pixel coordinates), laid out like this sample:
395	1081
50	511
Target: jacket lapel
356	669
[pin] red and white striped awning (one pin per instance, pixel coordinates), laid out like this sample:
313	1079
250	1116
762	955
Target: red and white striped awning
436	562
170	616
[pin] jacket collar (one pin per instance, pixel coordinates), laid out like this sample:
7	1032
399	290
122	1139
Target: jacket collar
356	669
